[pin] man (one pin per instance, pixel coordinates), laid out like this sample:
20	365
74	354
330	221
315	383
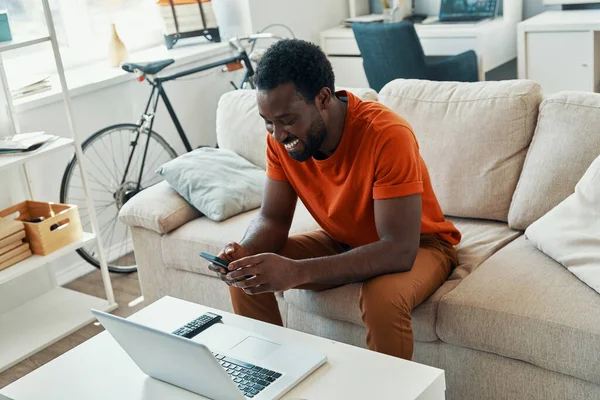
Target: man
356	167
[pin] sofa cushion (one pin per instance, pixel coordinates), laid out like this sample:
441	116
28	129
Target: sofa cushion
218	182
481	239
472	136
565	143
241	129
570	232
181	247
158	208
523	305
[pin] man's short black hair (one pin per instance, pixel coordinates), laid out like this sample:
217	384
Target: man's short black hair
302	63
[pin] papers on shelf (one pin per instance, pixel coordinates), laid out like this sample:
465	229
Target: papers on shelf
29	86
364	18
24	142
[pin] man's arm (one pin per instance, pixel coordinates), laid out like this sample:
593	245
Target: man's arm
398	222
268	232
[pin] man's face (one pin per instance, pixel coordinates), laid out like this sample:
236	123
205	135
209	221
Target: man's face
292	122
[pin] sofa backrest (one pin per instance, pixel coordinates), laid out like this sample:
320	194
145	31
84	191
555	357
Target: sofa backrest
241	129
472	136
566	141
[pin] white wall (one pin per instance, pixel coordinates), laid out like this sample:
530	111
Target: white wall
307	18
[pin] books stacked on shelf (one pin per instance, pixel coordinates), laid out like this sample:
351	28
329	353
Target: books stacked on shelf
188	15
30	86
13	247
24	142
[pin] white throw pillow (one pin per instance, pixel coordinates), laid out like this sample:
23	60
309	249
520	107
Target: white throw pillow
218	182
570	232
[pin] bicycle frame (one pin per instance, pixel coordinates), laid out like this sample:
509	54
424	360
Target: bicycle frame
158	92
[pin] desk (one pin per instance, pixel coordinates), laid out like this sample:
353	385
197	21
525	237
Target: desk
99	369
494	41
561	50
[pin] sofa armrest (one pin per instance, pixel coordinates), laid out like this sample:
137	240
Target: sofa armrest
158	208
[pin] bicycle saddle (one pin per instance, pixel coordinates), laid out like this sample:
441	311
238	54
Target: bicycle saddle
150	68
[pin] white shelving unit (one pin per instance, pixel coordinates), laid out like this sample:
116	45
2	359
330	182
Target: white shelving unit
16	160
34	262
55	312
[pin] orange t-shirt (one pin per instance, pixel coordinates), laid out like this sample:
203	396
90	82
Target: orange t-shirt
377	158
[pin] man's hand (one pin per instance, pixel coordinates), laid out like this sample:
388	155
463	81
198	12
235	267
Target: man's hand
231	252
268	273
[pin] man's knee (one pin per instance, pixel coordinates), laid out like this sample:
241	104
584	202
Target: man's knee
382	303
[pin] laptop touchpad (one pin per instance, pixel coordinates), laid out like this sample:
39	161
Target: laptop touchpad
253	348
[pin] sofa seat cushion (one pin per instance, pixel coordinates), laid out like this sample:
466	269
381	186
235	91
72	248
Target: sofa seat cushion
523	305
481	239
181	247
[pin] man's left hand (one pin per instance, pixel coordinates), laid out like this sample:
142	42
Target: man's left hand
267	273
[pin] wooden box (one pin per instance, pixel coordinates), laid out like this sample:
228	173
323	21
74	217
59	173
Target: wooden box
61	224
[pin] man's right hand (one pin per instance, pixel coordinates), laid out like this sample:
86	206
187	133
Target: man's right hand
231	252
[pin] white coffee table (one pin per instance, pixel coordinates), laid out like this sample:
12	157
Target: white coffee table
100	369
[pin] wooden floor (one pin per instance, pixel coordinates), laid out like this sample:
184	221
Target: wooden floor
126	288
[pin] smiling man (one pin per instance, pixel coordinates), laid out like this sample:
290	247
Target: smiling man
356	167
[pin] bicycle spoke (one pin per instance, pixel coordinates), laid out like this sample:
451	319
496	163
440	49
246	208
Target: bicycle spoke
90	189
152	165
111	152
123	153
89	175
104	227
106	166
95	201
101	173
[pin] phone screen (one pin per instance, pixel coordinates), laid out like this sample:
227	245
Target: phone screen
215	260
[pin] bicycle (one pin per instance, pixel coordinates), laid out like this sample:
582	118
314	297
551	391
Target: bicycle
114	182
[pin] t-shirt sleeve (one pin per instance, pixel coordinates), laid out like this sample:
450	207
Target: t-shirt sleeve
397	165
274	169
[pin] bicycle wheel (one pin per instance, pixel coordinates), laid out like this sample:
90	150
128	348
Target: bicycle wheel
106	153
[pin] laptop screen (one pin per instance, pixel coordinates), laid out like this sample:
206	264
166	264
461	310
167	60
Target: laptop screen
468	9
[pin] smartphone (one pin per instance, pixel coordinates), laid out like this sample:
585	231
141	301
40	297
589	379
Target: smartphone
214	259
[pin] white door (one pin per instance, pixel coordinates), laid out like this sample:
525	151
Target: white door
560	60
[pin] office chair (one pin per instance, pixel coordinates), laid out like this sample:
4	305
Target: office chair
393	50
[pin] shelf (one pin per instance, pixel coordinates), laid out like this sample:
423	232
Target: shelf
34	261
17	43
44	320
17	159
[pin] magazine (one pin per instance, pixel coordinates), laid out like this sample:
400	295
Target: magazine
24	142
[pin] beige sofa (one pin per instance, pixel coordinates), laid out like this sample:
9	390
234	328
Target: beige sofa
510	323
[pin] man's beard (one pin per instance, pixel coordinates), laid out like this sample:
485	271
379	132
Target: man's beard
316	137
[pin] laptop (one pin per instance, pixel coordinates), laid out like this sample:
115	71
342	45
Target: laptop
467	10
221	363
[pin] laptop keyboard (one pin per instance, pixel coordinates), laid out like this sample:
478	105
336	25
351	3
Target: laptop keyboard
249	378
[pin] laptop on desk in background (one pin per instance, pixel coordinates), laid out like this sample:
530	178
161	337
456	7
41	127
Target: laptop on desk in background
221	363
466	11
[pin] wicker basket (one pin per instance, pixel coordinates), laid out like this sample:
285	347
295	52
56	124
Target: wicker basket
61	224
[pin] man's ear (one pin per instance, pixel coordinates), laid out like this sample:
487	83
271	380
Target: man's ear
323	99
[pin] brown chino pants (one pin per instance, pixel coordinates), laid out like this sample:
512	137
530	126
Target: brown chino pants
386	301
